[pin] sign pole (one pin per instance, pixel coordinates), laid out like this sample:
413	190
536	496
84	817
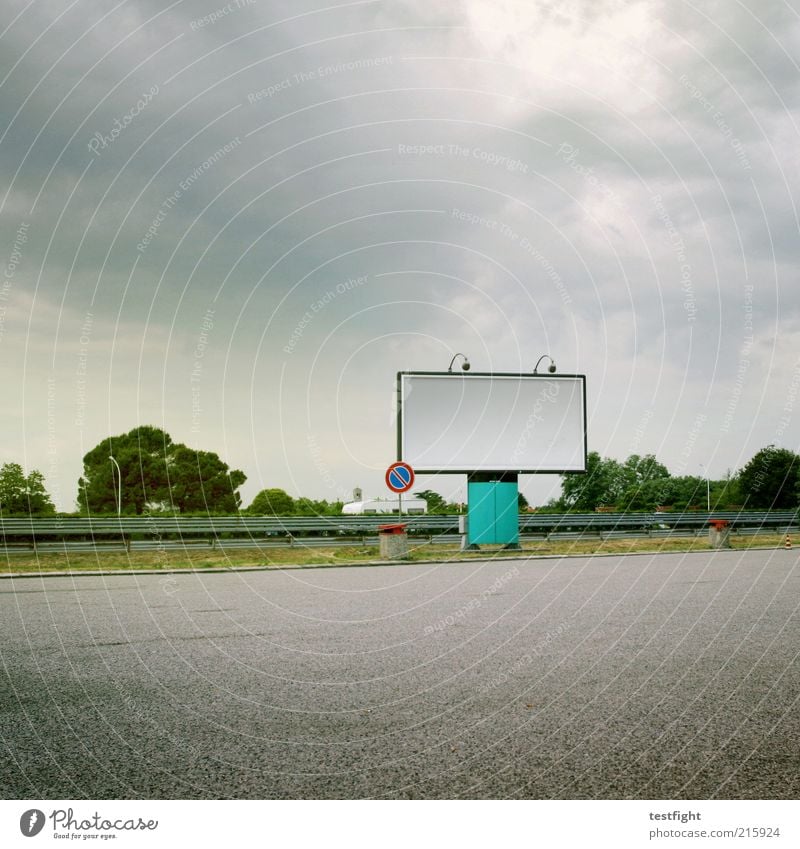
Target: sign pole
400	479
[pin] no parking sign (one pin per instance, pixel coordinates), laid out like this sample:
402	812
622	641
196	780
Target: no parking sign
399	477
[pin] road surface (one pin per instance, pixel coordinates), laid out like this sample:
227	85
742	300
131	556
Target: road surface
666	676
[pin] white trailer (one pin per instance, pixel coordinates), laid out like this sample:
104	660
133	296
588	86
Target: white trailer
379	506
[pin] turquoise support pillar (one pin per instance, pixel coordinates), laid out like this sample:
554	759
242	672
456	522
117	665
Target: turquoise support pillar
492	510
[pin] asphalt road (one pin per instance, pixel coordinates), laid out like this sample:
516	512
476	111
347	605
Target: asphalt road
667	676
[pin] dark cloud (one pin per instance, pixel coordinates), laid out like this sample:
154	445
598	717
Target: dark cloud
603	181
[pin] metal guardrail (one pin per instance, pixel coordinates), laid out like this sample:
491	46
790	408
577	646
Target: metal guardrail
74	546
260	526
22	535
687	519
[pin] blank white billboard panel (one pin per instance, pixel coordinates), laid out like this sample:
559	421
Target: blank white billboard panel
464	423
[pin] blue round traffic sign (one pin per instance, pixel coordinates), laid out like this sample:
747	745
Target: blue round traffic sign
399	477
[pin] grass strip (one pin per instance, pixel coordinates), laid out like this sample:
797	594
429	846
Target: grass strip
299	555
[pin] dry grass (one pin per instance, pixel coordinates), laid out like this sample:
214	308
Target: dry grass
297	555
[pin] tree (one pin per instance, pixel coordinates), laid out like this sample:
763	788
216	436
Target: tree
199	480
156	474
436	503
21	493
599	486
309	507
687	491
727	493
272	502
637	470
770	479
640	483
644	483
522	503
647	495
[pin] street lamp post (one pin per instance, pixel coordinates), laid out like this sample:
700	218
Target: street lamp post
119	485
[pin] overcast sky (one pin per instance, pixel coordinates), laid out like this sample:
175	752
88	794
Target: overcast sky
238	222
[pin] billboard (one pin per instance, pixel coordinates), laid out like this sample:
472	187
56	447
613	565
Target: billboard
463	423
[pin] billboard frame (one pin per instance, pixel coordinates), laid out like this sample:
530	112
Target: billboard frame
470	376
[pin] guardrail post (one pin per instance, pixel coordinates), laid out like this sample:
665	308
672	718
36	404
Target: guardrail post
463	530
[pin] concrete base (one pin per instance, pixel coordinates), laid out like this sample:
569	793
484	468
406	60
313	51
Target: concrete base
393	546
719	538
